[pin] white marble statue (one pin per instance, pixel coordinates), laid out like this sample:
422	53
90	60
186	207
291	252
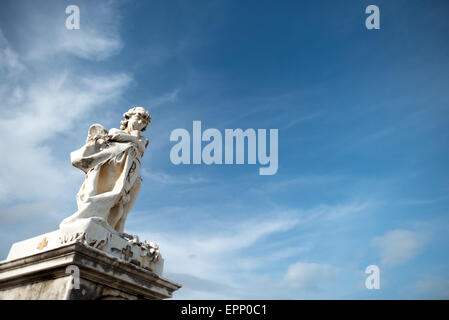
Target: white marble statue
111	161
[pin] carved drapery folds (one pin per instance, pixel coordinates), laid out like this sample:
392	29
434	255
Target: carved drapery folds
111	161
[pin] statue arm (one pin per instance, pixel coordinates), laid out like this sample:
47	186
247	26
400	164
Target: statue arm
120	136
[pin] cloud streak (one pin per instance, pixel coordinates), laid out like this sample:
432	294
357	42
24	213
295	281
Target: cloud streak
399	246
310	277
44	92
213	256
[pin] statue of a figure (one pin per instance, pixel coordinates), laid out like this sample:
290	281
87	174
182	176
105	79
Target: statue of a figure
111	161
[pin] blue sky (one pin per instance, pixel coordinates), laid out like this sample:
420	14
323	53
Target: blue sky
363	136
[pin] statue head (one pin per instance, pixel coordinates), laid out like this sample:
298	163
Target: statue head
136	118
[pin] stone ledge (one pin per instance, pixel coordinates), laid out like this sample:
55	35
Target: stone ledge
43	276
97	235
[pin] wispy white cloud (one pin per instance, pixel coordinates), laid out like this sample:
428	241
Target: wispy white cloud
274	253
413	202
341	211
47	108
432	287
87	44
302	119
244	235
97	39
337	212
41	101
211	255
399	246
310	277
235	254
28	219
171	96
298	182
9	60
24	212
167	179
214	250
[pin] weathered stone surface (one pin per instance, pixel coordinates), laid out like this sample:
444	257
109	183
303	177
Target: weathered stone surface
89	232
47	275
111	162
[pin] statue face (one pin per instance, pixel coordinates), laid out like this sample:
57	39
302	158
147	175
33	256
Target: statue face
136	123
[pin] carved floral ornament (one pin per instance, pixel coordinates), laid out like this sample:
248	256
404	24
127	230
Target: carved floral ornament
150	249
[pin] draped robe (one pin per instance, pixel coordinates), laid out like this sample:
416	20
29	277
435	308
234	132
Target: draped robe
112	180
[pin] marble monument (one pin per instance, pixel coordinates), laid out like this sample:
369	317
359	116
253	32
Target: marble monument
90	256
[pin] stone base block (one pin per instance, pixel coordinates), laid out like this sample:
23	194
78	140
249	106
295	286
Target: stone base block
97	235
79	271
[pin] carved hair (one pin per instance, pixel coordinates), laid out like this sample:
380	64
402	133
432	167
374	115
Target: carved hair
141	112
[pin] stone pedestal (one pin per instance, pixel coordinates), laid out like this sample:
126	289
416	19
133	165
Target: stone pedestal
85	261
